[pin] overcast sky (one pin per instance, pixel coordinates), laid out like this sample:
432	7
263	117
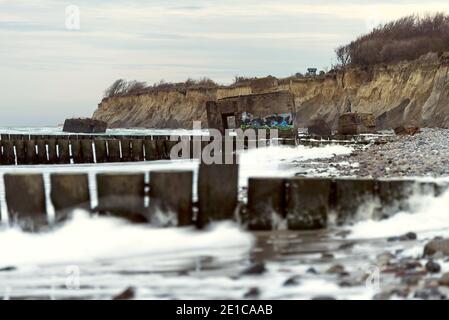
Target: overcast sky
50	70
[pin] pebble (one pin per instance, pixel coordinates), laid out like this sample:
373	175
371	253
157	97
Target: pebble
433	267
127	294
292	281
252	293
336	268
255	269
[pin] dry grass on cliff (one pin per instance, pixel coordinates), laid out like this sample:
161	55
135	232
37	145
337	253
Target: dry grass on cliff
122	87
405	39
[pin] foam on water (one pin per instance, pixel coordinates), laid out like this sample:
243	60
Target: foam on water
87	239
427	214
282	161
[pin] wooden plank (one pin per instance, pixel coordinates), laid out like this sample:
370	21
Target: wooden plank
217	192
25	198
122	195
171	197
266	203
69	192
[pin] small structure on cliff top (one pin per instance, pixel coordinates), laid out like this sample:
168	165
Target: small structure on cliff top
265	110
84	125
356	123
311	72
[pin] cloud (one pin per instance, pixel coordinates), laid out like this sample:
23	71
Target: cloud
168	39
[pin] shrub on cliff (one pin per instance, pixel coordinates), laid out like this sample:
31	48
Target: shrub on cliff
405	39
122	87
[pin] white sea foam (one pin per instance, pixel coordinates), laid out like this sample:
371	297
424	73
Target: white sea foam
281	161
87	239
427	214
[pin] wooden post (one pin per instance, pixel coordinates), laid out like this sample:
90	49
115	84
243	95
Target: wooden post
63	151
77	154
308	203
171	197
122	195
87	151
8	157
137	150
68	192
20	151
169	145
266	203
100	150
350	195
30	149
160	146
217	192
150	150
393	194
52	155
126	149
41	151
113	150
25	197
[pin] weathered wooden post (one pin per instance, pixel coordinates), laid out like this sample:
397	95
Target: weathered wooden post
113	150
171	197
308	203
350	197
122	195
266	203
100	150
20	151
30	149
69	192
63	151
126	149
150	150
52	155
87	151
41	151
137	149
76	151
25	198
160	146
8	157
393	195
168	146
217	192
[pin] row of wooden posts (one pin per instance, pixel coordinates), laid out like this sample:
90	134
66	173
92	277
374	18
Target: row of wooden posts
304	203
66	151
97	150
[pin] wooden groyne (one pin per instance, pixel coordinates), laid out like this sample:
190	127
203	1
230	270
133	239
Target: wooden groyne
26	149
294	203
74	149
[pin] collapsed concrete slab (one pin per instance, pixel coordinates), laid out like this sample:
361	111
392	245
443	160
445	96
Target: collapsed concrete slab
319	127
356	123
84	125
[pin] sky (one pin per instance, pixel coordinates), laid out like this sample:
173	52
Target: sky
57	57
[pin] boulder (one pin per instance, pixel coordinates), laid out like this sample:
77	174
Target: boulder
84	125
319	127
356	123
437	245
407	130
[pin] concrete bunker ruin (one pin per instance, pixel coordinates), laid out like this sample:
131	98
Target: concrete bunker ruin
256	111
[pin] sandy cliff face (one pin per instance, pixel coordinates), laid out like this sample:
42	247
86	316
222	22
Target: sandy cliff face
415	92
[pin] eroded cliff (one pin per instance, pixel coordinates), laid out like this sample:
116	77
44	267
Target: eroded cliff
415	92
